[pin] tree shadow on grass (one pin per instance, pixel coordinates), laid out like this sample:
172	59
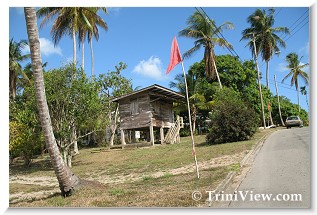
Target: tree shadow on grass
18	166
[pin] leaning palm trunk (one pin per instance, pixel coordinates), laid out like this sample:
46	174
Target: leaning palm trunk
66	178
259	82
268	87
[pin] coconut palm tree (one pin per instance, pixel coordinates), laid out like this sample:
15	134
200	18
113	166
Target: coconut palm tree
253	48
67	180
204	31
296	72
91	31
95	20
68	21
266	39
15	68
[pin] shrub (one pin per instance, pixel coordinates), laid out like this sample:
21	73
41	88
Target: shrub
23	142
231	119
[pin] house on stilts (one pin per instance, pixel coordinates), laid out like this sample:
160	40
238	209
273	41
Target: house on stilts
149	111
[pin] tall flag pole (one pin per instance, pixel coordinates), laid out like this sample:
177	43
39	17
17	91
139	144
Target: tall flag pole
174	60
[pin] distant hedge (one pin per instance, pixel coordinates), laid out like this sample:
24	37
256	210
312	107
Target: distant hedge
231	118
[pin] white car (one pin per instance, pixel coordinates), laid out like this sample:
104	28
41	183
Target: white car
293	121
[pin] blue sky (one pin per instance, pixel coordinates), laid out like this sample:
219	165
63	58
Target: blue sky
142	36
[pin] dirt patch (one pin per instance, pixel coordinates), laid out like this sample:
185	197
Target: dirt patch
101	178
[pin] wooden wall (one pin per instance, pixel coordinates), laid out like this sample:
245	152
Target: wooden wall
142	110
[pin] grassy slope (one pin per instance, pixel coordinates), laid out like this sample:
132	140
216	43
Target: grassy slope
168	190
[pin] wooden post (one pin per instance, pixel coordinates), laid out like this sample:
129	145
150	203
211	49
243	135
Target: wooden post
162	135
152	134
278	101
122	138
133	140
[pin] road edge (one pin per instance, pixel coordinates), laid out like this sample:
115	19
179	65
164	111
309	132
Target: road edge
248	158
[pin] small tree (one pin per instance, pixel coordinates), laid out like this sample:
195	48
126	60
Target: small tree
231	119
111	85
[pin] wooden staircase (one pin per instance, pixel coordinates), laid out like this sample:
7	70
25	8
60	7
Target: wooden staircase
172	135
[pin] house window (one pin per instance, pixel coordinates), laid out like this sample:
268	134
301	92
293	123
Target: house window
134	107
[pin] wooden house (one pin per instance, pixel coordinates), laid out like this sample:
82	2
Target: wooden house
149	110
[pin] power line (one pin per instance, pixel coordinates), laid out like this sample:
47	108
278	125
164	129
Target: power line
287	85
278	12
297	30
291	30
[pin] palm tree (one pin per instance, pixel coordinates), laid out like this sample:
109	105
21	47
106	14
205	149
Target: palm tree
253	47
67	180
68	21
204	32
91	31
15	68
266	38
304	92
296	71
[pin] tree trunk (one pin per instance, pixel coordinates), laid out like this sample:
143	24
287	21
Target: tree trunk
259	83
92	60
74	47
67	180
267	75
83	55
74	139
298	99
216	71
12	83
113	126
268	87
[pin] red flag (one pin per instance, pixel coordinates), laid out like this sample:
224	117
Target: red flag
175	56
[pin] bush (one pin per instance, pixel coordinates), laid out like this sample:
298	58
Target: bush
231	119
23	142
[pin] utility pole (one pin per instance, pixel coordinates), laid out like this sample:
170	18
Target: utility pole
278	101
259	82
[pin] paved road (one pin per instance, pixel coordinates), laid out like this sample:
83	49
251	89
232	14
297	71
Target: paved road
281	169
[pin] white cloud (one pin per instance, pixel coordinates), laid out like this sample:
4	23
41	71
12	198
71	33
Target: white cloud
305	50
281	67
47	48
151	68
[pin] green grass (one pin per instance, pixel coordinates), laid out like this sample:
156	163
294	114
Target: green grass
168	190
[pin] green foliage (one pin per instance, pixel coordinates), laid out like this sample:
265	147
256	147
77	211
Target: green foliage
73	101
231	119
26	139
287	109
23	142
